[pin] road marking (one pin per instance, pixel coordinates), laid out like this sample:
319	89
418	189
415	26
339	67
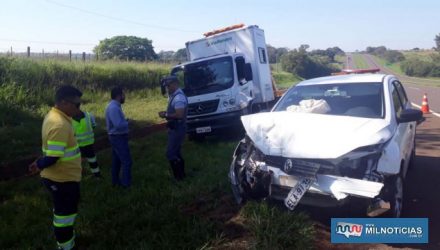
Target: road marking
414	88
432	111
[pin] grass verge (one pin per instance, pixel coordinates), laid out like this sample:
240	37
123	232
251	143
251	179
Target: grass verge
155	213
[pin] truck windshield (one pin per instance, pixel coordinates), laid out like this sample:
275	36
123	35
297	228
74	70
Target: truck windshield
208	76
352	99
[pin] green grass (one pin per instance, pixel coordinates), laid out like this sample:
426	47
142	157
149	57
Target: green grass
155	213
360	62
285	80
27	88
20	134
395	67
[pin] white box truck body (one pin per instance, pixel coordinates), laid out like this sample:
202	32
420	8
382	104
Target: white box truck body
227	75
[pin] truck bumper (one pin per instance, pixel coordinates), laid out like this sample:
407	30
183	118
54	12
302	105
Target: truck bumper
215	122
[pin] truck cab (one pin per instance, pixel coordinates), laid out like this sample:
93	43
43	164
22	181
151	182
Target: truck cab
227	76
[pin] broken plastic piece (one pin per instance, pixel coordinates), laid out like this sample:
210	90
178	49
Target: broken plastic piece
378	207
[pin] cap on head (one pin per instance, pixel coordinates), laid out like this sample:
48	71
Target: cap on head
169	80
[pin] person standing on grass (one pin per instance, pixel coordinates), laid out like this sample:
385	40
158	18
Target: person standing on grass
61	164
176	121
83	125
117	129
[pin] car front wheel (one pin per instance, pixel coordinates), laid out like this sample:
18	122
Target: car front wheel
394	195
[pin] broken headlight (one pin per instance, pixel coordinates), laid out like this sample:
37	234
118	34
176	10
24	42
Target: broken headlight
361	163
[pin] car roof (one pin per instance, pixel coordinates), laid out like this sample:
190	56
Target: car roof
341	79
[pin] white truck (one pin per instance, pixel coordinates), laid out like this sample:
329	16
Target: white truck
227	75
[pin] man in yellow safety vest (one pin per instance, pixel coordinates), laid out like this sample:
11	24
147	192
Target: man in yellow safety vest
83	125
60	164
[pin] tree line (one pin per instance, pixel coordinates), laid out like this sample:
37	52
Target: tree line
297	61
412	66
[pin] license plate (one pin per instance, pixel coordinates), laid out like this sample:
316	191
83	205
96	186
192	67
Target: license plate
297	192
202	130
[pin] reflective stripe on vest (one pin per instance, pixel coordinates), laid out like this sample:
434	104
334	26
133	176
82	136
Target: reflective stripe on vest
65	155
84	130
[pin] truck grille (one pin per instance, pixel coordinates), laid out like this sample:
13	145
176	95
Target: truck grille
200	108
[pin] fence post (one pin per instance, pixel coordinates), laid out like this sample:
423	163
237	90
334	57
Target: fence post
84	56
28	51
70	55
11	51
43	53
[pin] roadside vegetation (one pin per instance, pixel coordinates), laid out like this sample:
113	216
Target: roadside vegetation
311	64
155	213
416	62
27	88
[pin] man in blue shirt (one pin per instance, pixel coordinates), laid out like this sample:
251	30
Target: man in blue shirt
176	120
117	129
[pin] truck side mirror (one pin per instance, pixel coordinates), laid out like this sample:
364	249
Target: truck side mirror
248	72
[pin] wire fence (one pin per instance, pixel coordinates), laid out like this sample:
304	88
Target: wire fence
55	55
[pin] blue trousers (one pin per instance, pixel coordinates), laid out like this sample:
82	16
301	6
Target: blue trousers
175	139
121	158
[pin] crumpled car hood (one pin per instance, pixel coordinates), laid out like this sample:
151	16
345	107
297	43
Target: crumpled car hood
308	135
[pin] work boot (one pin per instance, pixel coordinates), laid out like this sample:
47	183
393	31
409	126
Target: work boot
175	168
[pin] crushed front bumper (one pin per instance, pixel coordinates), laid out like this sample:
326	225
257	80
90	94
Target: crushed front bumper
327	190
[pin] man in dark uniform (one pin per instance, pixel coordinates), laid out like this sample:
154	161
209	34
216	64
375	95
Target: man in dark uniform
176	121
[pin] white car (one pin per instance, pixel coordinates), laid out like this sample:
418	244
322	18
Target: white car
330	140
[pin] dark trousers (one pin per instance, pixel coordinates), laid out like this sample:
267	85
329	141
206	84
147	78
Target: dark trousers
65	198
121	158
175	140
89	153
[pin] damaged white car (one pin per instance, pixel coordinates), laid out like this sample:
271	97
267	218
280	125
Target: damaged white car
328	140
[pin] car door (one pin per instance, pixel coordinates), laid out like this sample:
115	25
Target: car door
405	131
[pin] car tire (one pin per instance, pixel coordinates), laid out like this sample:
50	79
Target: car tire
394	195
413	155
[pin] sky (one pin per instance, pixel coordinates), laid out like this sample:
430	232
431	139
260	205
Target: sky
63	25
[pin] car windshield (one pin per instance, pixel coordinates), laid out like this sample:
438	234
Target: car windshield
353	99
207	76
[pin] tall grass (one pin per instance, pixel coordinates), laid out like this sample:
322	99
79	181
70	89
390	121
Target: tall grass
285	80
27	90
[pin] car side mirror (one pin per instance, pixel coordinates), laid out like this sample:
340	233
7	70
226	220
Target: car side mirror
248	72
409	115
